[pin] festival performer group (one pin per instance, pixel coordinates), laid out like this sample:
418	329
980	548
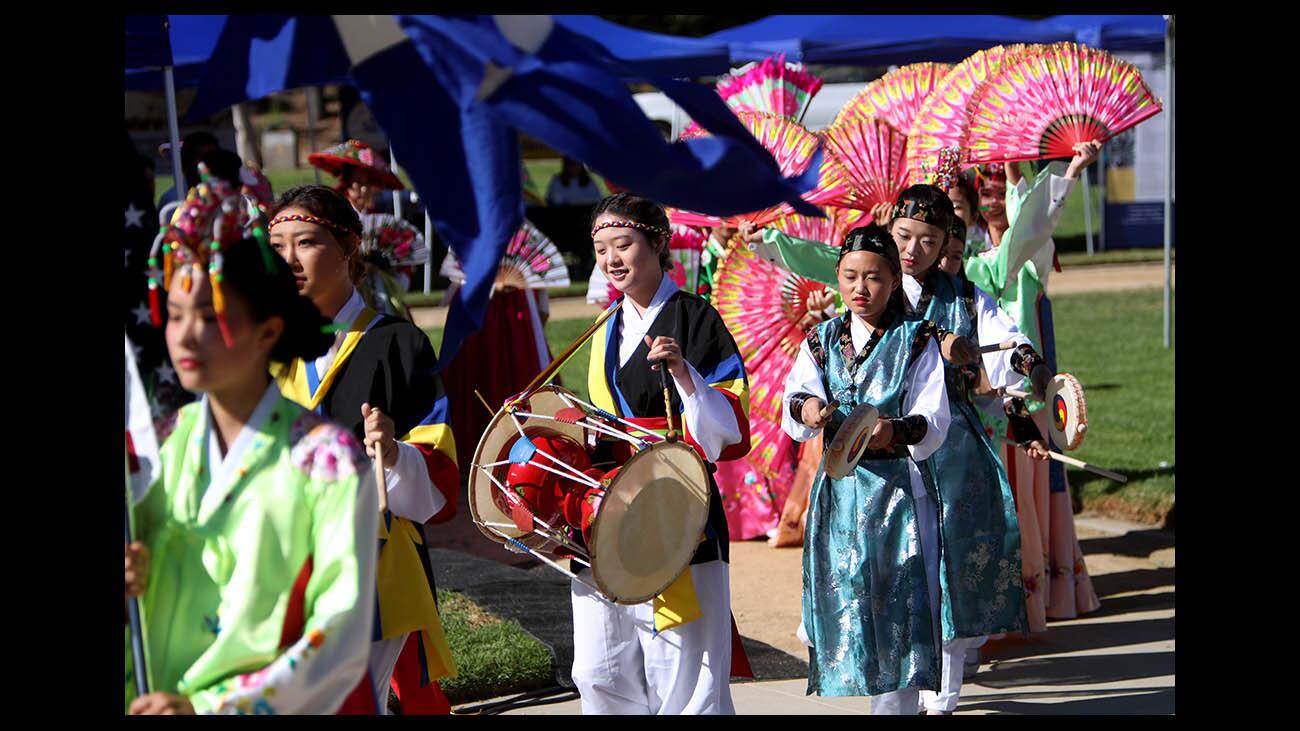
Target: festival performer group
879	386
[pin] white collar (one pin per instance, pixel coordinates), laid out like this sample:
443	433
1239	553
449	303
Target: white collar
912	288
858	331
667	287
351	310
220	468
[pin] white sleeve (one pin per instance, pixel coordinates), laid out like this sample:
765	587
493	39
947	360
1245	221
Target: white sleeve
996	326
1059	188
806	377
708	415
927	396
411	494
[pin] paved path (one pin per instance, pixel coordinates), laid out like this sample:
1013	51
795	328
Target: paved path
1119	660
1098	278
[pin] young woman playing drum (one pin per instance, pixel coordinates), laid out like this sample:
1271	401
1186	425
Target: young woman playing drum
978	529
378	379
871	553
255	551
653	658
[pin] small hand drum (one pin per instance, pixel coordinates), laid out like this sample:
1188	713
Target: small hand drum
850	441
649	523
1069	413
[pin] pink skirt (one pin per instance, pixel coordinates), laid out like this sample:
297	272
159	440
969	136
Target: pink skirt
1057	584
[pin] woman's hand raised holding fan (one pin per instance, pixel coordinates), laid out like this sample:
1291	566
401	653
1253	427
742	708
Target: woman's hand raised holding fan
750	233
882	213
1085	154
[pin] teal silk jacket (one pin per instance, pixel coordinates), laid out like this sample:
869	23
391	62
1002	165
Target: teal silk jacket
866	606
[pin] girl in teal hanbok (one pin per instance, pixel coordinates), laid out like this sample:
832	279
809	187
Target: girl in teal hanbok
981	579
871	558
255	551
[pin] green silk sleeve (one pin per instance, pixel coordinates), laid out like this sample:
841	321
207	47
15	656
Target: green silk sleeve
810	259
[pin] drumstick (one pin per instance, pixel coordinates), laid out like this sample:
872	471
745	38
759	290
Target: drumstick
1018	393
1004	345
668	401
485	403
829	409
380	481
1080	464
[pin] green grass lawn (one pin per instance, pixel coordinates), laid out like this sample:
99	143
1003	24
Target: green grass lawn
1111	342
493	657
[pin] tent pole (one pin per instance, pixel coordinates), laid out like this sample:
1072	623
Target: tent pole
428	249
1169	177
397	194
178	174
311	95
1087	210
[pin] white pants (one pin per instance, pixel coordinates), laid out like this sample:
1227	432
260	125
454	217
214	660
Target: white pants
907	701
383	658
954	660
621	667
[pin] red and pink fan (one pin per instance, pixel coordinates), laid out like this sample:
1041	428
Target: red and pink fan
761	304
1042	105
530	261
941	120
874	156
771	86
793	147
830	230
896	96
684	250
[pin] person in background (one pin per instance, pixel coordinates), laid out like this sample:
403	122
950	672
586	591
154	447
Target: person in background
194	147
573	186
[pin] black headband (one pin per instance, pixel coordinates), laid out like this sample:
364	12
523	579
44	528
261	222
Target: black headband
923	211
874	239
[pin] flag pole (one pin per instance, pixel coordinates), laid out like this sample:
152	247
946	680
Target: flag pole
397	194
311	94
1169	177
428	248
133	609
178	174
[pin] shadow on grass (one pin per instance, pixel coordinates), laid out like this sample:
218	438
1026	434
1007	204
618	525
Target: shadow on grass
1087	387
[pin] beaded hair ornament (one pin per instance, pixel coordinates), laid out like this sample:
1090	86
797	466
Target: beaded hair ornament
982	174
923	211
211	219
632	224
947	168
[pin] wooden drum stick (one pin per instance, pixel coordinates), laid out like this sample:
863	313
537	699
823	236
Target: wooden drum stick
1080	464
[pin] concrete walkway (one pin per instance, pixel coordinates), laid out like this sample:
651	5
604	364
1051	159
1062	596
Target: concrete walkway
1097	278
1118	660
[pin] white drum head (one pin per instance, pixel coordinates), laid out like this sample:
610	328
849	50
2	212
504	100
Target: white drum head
850	441
649	523
1068	413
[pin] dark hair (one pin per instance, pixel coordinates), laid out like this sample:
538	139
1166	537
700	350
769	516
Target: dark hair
267	288
972	196
583	178
190	154
643	211
224	164
332	206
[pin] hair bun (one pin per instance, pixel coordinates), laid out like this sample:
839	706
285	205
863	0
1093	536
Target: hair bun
305	334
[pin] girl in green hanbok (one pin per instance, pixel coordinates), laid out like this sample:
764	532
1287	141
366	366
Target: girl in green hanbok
255	550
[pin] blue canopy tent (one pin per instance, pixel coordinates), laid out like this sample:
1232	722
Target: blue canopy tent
653	52
186	45
1113	32
881	39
